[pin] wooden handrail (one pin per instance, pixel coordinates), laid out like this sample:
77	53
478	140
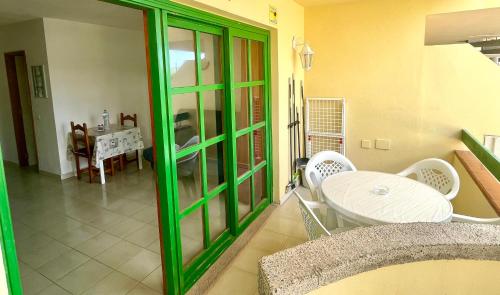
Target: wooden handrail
484	179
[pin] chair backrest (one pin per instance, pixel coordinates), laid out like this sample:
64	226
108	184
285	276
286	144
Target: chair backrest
132	118
314	228
186	165
436	173
322	165
80	137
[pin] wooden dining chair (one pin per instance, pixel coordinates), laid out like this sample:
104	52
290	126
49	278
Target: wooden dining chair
82	148
123	122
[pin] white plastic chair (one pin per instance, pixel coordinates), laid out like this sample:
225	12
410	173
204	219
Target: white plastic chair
322	165
314	228
436	173
470	219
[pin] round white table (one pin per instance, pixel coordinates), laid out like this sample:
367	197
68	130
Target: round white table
359	195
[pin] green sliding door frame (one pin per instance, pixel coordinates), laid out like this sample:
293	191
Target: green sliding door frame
213	249
7	242
158	12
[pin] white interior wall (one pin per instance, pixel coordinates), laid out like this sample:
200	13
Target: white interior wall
28	36
92	68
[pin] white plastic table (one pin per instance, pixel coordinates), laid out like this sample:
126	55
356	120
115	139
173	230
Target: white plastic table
354	195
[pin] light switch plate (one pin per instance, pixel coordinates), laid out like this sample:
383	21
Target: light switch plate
383	144
366	144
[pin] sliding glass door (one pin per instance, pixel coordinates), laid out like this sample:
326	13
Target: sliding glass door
218	112
248	60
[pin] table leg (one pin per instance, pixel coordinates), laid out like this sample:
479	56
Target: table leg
139	159
101	171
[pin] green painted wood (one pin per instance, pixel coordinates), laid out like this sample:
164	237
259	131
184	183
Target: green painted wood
173	206
195	26
180	278
198	88
248	84
7	242
486	157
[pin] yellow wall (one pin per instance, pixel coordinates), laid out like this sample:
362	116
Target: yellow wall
470	200
372	53
290	23
427	277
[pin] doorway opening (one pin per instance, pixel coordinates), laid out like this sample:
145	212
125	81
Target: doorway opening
20	101
77	235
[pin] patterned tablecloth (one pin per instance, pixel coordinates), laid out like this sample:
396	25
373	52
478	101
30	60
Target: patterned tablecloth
114	142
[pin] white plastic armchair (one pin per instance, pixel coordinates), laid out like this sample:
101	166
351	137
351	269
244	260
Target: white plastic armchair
314	228
322	165
436	173
470	219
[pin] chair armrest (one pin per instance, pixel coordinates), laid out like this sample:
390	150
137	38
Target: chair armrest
470	219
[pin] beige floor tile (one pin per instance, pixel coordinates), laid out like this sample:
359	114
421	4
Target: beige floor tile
84	277
114	284
144	236
24	269
124	226
34	282
143	290
77	235
34	241
141	265
248	259
154	280
146	214
235	281
63	225
268	241
155	246
97	244
123	206
22	231
54	290
118	254
62	265
104	219
39	256
285	226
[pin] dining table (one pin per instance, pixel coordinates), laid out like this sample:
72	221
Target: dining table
372	197
115	141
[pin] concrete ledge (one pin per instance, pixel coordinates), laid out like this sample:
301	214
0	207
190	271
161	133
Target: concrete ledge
320	262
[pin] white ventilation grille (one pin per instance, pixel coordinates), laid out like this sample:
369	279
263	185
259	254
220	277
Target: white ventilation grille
325	125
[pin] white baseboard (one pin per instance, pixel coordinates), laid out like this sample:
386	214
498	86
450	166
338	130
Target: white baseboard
67	175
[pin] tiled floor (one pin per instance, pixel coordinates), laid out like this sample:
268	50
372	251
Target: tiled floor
73	237
284	229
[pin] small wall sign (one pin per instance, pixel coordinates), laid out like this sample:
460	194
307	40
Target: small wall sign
273	15
39	84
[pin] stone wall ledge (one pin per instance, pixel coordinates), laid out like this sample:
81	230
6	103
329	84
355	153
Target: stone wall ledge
317	263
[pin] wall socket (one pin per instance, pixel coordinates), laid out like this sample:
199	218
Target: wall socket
366	144
383	144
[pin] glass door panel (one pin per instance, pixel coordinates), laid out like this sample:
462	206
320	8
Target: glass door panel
240	51
197	111
211	58
250	90
218	104
181	44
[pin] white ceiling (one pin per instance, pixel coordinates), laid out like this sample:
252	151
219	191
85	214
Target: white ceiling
461	26
88	11
306	3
